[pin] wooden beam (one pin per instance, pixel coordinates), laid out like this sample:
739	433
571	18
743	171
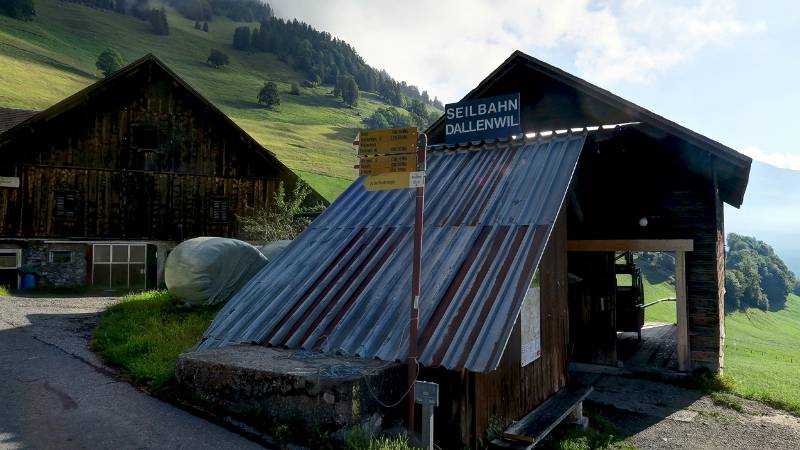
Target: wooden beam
633	245
684	363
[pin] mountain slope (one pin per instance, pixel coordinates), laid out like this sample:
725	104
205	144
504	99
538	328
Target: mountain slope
53	56
771	211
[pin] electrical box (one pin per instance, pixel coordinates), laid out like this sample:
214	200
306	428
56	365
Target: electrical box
426	393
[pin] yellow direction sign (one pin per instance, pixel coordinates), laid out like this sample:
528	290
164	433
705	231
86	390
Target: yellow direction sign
375	165
388	141
396	180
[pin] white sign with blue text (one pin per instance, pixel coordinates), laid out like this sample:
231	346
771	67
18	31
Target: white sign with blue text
483	118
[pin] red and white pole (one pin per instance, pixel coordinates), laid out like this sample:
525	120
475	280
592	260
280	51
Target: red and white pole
416	281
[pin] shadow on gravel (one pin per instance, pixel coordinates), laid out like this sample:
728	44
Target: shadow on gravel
635	404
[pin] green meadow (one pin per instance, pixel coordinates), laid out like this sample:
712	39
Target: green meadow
47	59
762	349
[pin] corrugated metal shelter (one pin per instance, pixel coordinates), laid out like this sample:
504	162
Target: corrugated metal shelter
343	286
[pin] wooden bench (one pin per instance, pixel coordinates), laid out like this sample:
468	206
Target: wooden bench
537	424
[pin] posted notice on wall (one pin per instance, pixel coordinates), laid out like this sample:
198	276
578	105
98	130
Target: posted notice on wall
530	322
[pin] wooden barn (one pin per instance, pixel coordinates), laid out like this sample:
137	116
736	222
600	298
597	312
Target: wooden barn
525	238
96	189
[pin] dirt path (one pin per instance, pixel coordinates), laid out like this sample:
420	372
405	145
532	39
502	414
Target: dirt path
56	394
658	415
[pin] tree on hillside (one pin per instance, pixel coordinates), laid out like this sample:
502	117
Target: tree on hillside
241	38
158	22
349	91
294	89
18	9
755	276
217	59
285	219
205	27
268	95
108	62
197	25
388	118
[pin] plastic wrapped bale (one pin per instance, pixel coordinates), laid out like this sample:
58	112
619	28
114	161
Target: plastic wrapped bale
208	270
271	250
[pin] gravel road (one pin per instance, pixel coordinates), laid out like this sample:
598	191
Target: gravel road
55	393
662	416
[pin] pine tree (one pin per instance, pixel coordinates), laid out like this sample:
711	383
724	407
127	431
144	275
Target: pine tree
197	25
205	27
294	89
349	91
241	38
158	22
164	25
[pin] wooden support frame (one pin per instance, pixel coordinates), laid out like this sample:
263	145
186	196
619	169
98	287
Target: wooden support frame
631	245
679	247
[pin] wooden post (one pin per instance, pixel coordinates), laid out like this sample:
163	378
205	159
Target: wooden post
684	363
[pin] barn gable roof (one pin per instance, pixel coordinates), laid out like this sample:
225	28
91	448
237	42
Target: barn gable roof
10	117
148	62
343	286
555	99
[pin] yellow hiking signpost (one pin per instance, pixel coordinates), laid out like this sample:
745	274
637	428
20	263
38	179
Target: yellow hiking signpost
388	158
394	158
387	141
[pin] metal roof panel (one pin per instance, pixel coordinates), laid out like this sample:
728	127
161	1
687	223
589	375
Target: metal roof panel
343	286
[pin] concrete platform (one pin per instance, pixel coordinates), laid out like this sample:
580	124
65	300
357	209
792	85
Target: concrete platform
320	390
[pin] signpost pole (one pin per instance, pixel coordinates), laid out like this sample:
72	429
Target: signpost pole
416	280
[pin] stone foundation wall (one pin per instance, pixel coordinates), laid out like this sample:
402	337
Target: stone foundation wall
321	391
58	274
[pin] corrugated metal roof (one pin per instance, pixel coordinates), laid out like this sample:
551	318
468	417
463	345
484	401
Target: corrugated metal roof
343	286
9	117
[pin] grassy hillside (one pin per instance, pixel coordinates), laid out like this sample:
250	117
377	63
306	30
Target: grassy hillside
762	349
53	56
762	353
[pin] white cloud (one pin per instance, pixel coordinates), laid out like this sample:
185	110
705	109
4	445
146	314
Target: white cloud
448	46
782	160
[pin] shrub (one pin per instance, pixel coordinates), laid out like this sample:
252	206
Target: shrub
108	62
268	95
217	59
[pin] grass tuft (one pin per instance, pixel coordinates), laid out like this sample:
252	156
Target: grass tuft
727	400
4	292
144	334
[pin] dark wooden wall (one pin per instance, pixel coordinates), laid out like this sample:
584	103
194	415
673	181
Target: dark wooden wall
620	180
159	188
471	402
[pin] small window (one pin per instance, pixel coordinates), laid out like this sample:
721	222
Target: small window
144	137
9	258
60	256
219	210
65	205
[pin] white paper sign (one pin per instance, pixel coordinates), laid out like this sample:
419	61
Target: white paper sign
9	182
530	323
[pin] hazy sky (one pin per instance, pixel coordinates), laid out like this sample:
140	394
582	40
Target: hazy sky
727	69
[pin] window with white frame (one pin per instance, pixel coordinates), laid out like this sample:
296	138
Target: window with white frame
60	256
10	258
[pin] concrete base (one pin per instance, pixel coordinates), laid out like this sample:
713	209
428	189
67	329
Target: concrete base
325	391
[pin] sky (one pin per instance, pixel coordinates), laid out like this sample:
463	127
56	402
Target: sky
727	69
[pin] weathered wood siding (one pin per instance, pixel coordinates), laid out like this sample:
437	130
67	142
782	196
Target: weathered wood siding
471	402
632	176
129	183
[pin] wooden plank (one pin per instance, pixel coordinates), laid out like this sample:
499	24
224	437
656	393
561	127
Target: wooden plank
537	424
683	318
633	245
